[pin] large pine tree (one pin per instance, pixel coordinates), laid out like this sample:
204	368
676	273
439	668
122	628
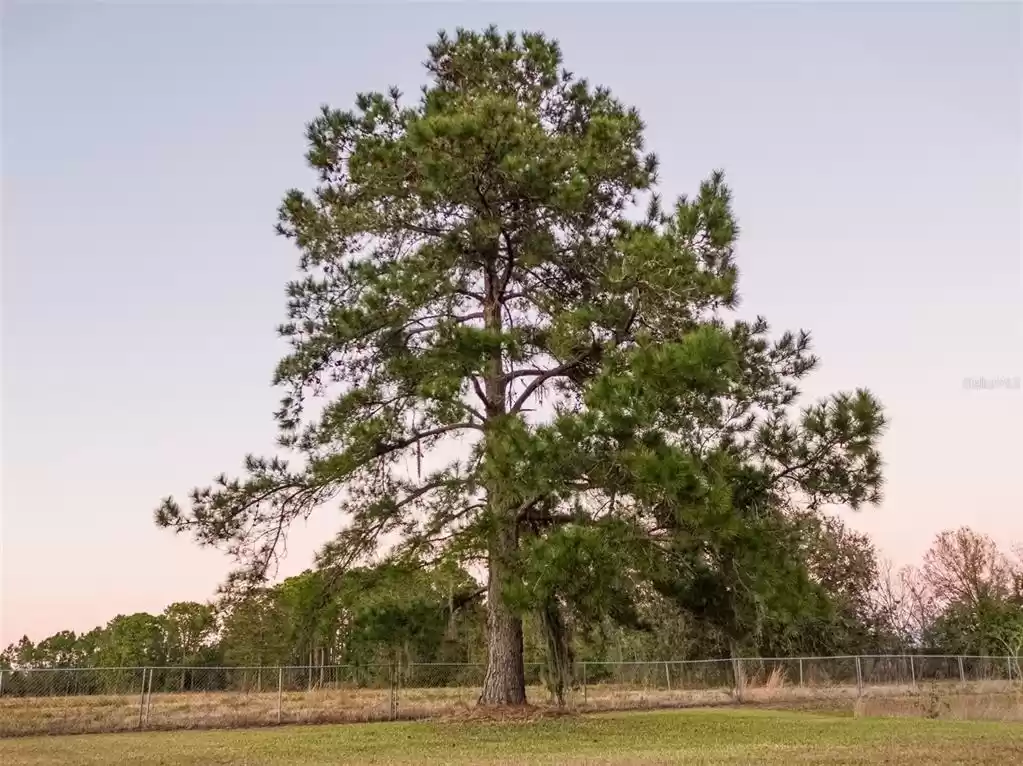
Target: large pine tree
519	354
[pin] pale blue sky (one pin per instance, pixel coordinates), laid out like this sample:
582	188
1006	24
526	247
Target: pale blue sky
874	152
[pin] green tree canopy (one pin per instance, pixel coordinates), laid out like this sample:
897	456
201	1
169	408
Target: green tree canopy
191	628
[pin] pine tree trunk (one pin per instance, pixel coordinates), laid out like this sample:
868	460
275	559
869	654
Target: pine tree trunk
559	651
505	680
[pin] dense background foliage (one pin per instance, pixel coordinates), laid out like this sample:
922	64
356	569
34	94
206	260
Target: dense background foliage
966	598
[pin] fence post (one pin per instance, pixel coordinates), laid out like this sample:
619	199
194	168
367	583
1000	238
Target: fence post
859	677
800	671
397	687
2	682
390	678
584	683
912	670
962	672
149	695
142	698
280	692
667	675
1008	662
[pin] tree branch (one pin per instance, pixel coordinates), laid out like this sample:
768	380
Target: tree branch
480	392
542	378
385	449
805	464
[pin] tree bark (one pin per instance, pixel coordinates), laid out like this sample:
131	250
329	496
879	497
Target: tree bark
505	679
559	651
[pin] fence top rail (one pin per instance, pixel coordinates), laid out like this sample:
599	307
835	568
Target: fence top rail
373	666
80	669
385	666
205	668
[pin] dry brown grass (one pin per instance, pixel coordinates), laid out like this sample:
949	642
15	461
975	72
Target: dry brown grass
218	710
777	678
1005	705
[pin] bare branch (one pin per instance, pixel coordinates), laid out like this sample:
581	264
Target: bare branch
542	378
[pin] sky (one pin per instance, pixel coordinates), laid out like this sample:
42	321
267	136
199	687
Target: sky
874	152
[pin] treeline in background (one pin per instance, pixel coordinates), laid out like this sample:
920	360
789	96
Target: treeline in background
966	598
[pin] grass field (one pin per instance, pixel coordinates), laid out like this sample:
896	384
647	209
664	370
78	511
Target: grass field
691	736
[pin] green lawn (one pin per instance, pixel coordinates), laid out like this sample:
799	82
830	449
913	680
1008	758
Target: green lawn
695	736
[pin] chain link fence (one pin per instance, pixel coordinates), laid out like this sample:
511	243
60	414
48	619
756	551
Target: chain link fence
75	700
